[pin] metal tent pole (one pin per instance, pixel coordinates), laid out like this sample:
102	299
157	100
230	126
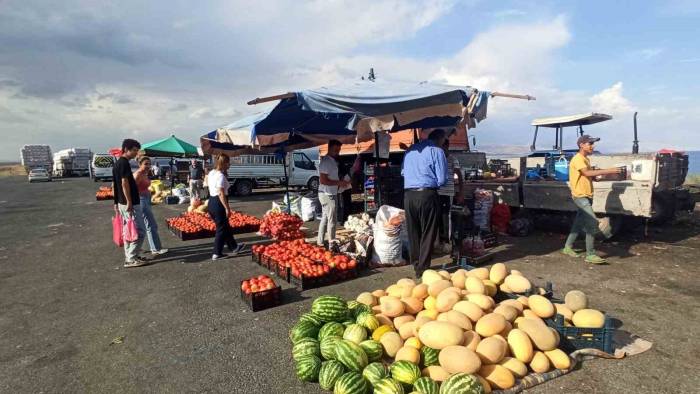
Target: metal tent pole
377	182
286	182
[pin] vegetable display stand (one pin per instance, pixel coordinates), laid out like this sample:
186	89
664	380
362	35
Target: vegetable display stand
187	236
343	275
260	300
574	338
307	282
548	293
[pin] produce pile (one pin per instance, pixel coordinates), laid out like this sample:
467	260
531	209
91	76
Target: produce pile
257	284
281	226
158	191
104	193
361	223
195	221
444	335
304	259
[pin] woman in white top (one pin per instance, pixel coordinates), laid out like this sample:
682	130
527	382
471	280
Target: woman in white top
217	182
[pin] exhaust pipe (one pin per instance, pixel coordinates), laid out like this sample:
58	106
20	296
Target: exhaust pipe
635	144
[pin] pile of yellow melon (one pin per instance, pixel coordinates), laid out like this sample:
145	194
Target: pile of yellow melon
456	315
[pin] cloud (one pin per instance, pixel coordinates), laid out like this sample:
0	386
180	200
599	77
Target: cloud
611	100
508	13
645	53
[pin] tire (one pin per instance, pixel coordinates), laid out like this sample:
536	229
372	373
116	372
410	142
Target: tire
664	209
312	184
243	187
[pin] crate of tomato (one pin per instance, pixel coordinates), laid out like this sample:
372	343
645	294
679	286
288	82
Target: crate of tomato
184	229
261	292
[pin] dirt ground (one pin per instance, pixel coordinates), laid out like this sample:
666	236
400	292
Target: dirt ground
65	299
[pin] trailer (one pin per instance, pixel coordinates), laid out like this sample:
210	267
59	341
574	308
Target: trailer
652	188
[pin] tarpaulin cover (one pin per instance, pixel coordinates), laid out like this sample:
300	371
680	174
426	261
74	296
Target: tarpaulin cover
171	146
349	112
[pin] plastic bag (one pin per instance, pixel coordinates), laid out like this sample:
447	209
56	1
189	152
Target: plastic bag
131	234
308	208
117	231
388	236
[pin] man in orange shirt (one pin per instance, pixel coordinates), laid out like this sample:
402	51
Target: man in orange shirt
581	183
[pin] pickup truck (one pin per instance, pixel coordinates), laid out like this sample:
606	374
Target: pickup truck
248	172
653	188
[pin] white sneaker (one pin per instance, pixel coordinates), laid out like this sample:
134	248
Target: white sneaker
215	257
160	251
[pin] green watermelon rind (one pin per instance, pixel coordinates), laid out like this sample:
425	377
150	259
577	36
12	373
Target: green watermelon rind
426	385
462	383
329	373
306	347
355	333
388	386
429	356
331	329
311	317
307	368
351	355
351	383
303	329
330	308
373	349
368	321
375	372
405	371
327	347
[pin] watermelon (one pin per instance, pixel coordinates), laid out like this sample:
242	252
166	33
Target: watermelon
462	383
352	304
355	333
329	374
303	329
426	385
351	355
306	347
429	356
311	318
375	372
373	349
307	368
360	309
328	345
388	386
348	323
351	383
330	308
368	321
331	329
405	371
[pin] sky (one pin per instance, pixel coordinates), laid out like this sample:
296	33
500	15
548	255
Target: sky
90	73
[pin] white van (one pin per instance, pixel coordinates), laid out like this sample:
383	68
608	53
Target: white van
101	167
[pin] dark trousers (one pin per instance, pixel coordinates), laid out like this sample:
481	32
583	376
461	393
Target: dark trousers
422	211
224	232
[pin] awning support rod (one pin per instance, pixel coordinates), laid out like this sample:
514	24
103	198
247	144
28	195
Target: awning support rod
516	96
290	95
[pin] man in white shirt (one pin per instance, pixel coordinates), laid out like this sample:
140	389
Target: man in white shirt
328	191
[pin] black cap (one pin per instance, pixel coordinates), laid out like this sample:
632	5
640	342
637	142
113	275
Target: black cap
586	139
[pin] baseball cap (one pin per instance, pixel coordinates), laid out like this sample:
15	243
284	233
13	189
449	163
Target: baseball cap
586	139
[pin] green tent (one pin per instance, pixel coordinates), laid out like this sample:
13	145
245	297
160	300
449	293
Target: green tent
171	147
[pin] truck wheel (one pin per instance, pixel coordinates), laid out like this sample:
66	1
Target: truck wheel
244	187
664	209
313	184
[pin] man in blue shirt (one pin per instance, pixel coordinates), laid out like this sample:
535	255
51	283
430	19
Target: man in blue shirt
424	171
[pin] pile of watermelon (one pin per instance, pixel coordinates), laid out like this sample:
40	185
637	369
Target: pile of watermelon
337	345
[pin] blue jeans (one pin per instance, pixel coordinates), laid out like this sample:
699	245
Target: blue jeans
132	249
585	221
150	224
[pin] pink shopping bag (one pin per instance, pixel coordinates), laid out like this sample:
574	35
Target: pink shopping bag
117	231
130	232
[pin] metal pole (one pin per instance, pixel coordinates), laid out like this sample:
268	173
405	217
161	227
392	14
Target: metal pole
635	144
286	182
377	182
